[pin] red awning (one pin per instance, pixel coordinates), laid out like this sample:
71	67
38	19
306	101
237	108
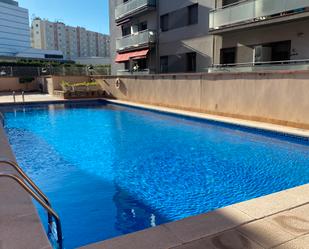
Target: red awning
128	56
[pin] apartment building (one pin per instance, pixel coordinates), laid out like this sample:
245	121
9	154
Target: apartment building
158	36
193	35
15	33
74	42
260	31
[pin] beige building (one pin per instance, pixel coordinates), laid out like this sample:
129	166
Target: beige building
74	42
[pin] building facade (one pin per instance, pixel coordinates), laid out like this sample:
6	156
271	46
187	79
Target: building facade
74	42
15	33
14	28
149	36
158	36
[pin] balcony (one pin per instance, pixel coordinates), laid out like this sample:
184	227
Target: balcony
133	7
253	11
138	40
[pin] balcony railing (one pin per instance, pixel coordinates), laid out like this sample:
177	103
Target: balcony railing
143	38
287	65
254	10
132	6
139	72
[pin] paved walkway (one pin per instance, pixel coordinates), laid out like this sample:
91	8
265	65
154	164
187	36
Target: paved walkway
29	97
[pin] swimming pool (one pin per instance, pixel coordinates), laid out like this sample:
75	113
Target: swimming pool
111	170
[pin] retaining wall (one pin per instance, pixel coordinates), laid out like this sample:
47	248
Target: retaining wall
275	97
8	84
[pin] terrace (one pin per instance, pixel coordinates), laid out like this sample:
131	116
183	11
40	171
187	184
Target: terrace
241	225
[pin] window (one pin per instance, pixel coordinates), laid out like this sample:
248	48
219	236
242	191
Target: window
281	51
126	30
37	25
228	2
164	64
228	56
179	18
191	62
142	26
164	22
193	14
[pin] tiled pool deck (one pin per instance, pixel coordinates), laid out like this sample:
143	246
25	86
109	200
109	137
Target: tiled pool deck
279	221
29	97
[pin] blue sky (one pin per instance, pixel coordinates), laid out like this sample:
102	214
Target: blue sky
91	14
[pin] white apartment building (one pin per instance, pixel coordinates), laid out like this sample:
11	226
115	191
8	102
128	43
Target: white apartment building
74	42
15	33
14	28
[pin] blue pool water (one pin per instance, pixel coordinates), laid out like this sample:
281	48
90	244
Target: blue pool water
111	170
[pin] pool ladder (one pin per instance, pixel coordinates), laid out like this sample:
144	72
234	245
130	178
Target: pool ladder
38	195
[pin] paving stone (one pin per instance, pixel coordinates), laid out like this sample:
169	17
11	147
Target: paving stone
227	240
154	238
200	226
299	243
295	221
265	233
24	232
278	202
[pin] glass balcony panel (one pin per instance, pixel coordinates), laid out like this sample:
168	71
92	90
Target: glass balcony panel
253	10
136	40
131	6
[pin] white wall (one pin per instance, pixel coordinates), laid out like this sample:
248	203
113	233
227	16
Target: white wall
14	29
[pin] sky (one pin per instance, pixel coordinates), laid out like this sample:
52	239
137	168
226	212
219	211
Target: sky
91	14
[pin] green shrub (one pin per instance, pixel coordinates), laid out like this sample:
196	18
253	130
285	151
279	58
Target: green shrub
66	84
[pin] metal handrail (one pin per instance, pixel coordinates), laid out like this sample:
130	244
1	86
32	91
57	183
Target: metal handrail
42	203
2	118
256	63
30	182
